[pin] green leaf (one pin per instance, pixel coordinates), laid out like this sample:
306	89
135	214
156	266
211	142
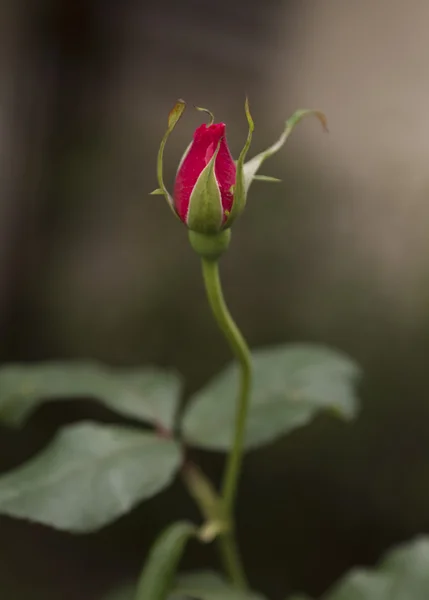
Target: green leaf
160	568
148	394
291	385
402	575
88	476
206	585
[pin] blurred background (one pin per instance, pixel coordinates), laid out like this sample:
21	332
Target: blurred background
93	267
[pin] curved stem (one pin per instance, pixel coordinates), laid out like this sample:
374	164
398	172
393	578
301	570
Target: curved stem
241	351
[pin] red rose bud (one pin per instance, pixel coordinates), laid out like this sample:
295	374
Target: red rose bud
203	190
211	189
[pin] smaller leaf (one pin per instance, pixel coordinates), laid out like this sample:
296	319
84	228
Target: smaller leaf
88	476
161	565
157	192
206	585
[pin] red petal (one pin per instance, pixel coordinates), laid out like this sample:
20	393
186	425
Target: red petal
206	139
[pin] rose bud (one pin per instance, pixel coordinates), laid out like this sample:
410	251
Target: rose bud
210	188
203	189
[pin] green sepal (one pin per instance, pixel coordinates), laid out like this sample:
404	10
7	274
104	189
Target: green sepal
267	178
173	118
208	112
252	166
205	213
240	188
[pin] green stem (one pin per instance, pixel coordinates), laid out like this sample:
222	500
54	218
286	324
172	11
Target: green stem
231	560
241	351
